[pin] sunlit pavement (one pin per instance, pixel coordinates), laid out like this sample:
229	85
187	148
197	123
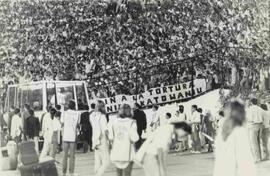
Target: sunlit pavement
177	164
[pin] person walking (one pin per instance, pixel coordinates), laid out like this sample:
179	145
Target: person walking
140	118
16	126
265	132
123	135
47	133
207	129
25	115
151	155
233	156
195	124
155	121
86	130
100	138
32	128
255	122
70	122
56	124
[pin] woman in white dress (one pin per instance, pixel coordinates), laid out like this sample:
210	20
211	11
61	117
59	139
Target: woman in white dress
233	152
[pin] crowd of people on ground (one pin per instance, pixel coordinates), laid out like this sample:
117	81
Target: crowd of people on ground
132	136
82	40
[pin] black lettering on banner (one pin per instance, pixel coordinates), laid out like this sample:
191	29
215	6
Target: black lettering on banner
124	98
190	84
163	98
172	96
109	109
141	96
106	102
199	90
158	91
184	86
178	87
115	107
142	103
156	99
164	89
150	91
134	97
180	96
112	100
188	93
149	101
171	88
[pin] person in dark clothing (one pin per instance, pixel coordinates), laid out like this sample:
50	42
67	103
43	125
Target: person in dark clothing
86	129
25	115
58	116
140	118
32	128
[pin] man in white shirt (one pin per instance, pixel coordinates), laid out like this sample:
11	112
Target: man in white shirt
70	121
195	124
265	132
16	126
255	123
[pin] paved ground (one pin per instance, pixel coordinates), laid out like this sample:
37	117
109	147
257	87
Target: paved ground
178	164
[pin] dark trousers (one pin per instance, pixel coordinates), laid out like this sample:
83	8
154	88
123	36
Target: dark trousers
139	143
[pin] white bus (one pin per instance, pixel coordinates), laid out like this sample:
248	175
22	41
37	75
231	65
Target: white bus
42	94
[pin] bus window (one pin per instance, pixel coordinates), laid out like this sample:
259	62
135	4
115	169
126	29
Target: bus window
51	99
19	98
81	96
11	95
32	95
65	93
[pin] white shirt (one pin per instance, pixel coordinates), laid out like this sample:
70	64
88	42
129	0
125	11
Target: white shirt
56	124
16	126
47	127
255	114
123	133
266	119
99	125
233	156
70	119
195	117
162	139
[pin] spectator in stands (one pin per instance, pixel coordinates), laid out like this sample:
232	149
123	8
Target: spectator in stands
16	126
123	135
70	121
32	128
141	121
100	138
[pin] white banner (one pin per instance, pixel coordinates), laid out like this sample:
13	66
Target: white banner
158	95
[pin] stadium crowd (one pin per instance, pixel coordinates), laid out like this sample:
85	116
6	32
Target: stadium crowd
112	48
